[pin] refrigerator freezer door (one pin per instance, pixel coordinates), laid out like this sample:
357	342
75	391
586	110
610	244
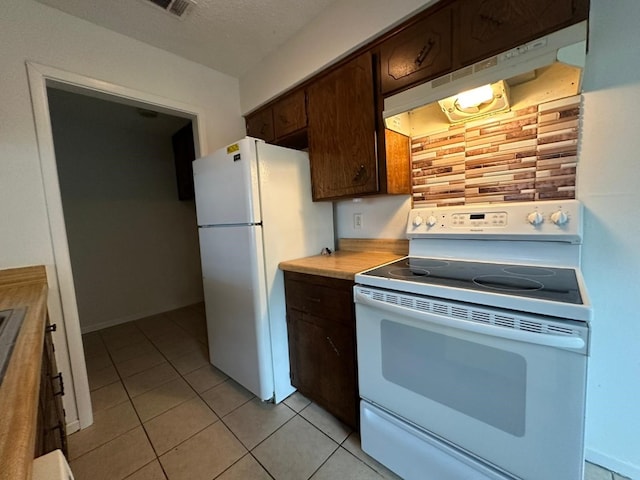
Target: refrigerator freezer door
226	185
236	304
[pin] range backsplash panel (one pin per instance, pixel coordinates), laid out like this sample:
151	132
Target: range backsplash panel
522	155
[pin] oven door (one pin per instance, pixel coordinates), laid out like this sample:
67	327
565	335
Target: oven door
512	398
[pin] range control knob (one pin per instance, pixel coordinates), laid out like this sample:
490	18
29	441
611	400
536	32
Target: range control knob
559	217
534	218
417	221
431	221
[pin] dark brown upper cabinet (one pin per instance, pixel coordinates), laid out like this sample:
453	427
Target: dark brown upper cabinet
290	114
283	122
420	52
342	131
337	114
260	124
488	27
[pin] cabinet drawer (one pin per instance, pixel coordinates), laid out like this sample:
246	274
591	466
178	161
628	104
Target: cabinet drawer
417	54
320	301
290	114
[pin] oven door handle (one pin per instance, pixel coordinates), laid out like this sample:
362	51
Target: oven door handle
549	340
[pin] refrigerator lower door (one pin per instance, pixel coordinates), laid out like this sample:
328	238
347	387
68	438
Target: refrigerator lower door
236	305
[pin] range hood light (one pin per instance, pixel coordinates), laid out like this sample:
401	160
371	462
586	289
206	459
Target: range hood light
473	98
477	102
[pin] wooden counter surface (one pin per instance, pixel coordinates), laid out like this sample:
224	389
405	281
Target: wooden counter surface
352	256
22	287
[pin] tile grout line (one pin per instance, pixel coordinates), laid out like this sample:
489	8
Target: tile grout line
338	445
157	457
130	398
199	395
136	411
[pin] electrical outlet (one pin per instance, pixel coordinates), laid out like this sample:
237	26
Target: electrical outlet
357	220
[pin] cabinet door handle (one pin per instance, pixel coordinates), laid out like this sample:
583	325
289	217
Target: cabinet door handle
424	52
313	299
60	384
359	173
333	346
51	328
263	128
58	427
494	22
62	434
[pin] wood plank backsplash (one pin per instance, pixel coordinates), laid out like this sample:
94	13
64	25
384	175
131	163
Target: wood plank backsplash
522	155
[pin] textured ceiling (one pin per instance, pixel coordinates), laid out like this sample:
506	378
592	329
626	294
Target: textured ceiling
227	35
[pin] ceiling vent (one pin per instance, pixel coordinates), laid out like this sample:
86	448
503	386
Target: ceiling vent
176	8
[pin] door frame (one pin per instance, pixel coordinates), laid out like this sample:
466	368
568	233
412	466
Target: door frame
62	303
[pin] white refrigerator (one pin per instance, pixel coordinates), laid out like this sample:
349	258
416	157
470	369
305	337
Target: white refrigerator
254	209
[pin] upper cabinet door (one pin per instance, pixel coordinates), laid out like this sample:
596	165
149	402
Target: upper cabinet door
342	131
290	114
420	52
488	27
260	125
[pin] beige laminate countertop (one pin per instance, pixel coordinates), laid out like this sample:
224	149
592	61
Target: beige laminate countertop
22	287
352	256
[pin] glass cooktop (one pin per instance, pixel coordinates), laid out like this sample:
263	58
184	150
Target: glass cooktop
545	283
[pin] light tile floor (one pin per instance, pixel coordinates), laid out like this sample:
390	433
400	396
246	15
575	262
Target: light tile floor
162	412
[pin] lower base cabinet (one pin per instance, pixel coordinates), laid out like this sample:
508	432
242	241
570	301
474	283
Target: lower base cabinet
322	345
51	430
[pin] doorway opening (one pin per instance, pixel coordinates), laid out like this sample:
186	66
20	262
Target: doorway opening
128	208
63	303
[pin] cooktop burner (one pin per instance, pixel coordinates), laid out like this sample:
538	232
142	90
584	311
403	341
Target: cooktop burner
545	283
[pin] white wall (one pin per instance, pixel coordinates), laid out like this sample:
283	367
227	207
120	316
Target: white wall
608	184
133	243
340	29
382	217
32	31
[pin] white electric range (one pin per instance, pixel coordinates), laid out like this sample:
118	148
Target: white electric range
472	351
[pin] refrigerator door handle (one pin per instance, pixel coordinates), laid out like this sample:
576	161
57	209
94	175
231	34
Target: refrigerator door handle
257	224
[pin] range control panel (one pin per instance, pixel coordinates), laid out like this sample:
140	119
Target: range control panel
545	220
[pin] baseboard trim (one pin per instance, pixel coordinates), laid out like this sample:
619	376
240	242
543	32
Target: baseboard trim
136	316
73	427
613	464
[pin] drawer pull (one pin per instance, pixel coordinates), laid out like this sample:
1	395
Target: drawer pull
51	328
60	383
62	433
424	52
58	427
333	346
313	299
491	21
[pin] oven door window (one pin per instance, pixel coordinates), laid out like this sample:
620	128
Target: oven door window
477	380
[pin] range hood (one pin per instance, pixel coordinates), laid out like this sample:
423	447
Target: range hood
567	46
